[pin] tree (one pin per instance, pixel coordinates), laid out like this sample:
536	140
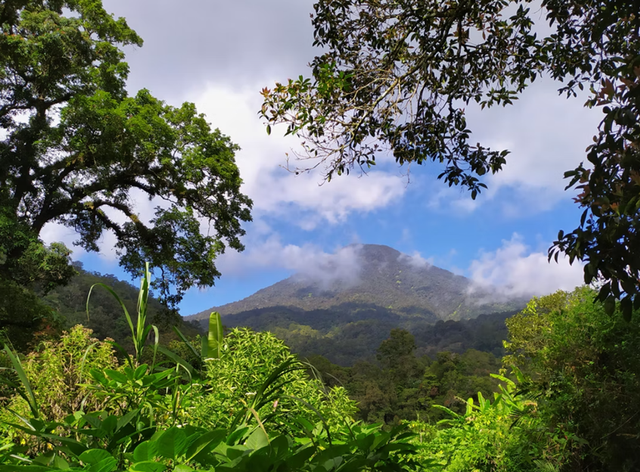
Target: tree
397	76
27	266
583	367
396	353
76	149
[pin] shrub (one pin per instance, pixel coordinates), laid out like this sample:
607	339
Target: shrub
57	374
246	362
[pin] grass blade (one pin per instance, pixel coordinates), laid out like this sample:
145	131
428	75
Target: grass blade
29	395
183	338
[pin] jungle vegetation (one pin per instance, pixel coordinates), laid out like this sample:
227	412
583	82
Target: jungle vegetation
566	394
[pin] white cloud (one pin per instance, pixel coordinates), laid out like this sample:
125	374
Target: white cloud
238	42
546	135
274	190
416	260
58	233
517	271
307	261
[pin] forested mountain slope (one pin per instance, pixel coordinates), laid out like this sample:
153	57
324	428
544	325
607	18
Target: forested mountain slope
345	309
105	315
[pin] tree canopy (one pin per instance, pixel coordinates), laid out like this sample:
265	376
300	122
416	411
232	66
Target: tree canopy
397	76
76	149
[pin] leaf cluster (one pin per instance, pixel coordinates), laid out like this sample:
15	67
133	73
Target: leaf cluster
398	76
77	150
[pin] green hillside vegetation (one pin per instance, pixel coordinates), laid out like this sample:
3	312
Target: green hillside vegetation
401	385
566	394
105	317
249	406
570	403
64	307
351	332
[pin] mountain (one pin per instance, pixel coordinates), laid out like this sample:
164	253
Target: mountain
381	276
344	306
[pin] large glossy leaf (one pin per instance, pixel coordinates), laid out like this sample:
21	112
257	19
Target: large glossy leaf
172	443
98	460
148	466
117	376
206	442
145	451
183	468
257	440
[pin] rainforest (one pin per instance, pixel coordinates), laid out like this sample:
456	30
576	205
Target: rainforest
274	328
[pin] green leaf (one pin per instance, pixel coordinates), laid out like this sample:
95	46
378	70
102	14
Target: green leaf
215	336
126	419
257	440
610	305
183	468
148	466
118	299
140	372
98	460
29	396
177	359
207	441
94	456
446	410
172	443
117	376
60	463
145	451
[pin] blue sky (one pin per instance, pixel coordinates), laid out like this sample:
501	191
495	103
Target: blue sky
220	54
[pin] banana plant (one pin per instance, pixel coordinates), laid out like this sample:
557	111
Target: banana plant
212	345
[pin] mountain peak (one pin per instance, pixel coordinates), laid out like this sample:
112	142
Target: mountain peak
379	275
377	252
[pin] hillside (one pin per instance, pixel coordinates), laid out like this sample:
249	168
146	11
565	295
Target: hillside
380	276
106	317
345	309
350	333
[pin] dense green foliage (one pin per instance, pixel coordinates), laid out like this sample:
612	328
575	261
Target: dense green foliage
27	266
77	150
108	417
246	362
573	407
401	76
351	332
401	385
74	144
585	367
248	404
57	372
